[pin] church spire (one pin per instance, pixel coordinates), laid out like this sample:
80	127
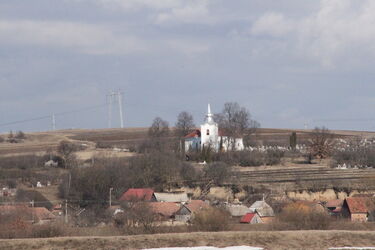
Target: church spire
209	114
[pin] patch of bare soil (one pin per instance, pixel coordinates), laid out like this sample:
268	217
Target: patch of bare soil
268	240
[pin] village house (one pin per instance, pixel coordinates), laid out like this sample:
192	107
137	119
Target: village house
164	210
334	207
358	209
264	211
7	192
251	218
138	194
35	215
211	136
171	197
187	211
237	210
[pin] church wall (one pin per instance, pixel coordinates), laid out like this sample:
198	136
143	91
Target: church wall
212	138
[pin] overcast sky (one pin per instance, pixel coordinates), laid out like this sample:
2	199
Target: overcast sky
290	62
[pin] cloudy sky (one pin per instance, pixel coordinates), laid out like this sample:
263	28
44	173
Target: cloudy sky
290	62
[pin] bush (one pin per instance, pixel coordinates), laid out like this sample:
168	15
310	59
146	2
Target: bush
250	158
49	230
273	156
219	172
355	156
299	216
211	219
20	135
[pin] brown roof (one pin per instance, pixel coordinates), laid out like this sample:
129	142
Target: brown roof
196	205
39	213
140	194
359	204
167	209
195	133
334	203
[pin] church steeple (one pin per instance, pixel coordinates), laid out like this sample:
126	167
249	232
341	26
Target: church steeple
209	115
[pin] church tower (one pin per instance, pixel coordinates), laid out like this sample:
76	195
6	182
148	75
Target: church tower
210	131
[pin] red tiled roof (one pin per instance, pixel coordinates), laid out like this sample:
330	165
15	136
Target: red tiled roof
140	194
167	209
247	218
334	203
358	204
42	213
195	133
196	205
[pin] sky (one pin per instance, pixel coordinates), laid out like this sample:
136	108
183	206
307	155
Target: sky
289	62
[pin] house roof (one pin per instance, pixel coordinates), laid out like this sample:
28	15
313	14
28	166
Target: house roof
247	217
334	203
166	209
171	197
359	204
237	210
196	205
39	213
42	213
262	208
141	194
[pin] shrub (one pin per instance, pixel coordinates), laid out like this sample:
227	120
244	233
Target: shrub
20	135
357	155
211	219
49	230
299	216
219	172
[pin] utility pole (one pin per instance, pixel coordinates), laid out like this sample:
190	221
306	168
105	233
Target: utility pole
66	211
32	210
110	197
119	99
53	122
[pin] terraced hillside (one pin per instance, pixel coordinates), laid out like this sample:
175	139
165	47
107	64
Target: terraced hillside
290	177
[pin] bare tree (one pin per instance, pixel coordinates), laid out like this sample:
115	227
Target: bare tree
159	128
321	143
67	149
138	217
236	122
184	124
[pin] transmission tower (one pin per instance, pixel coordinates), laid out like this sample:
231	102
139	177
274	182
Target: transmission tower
112	97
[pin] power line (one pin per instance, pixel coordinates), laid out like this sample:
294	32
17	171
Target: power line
345	120
49	116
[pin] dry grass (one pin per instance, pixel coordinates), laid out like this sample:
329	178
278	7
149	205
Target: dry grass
268	240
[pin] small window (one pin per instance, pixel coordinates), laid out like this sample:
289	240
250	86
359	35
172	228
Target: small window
208	132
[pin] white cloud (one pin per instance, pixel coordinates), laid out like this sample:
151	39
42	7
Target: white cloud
190	12
274	24
339	30
132	5
85	38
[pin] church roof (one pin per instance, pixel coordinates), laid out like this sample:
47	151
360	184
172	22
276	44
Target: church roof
195	133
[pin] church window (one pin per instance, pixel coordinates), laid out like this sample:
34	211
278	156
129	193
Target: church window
208	132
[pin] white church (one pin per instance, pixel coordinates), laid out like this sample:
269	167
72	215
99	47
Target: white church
211	136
